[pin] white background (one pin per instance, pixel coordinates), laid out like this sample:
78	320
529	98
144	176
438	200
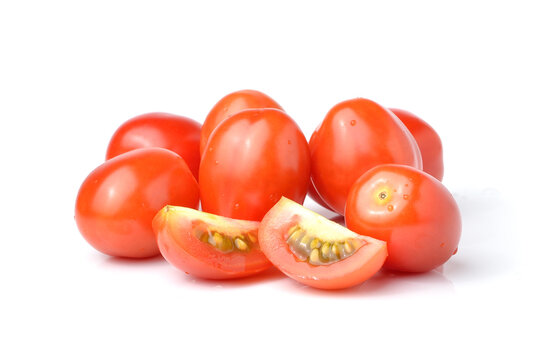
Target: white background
71	73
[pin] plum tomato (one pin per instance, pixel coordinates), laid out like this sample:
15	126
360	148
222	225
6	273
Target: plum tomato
316	251
207	245
232	104
428	142
355	136
253	159
118	200
173	132
409	209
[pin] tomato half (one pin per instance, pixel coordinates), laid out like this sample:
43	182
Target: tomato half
118	200
232	104
168	131
316	251
207	245
428	142
355	136
253	159
411	210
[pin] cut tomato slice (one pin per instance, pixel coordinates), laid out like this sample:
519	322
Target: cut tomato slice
208	246
316	251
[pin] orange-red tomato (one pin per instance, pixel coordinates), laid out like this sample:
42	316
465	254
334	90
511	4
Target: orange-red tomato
355	136
428	142
316	251
207	245
172	132
253	159
409	209
118	200
232	104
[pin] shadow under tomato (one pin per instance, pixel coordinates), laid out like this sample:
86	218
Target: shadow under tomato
132	262
269	275
386	283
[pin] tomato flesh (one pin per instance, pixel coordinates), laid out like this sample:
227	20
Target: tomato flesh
207	245
409	209
316	251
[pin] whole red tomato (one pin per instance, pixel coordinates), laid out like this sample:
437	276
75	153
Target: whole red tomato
118	200
355	136
251	160
168	131
428	141
410	210
231	104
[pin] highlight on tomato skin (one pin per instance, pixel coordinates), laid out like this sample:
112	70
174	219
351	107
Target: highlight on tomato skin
209	246
168	131
232	104
428	141
118	200
409	209
315	251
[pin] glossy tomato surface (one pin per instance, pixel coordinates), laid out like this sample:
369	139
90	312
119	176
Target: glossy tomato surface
253	159
411	210
173	132
428	142
315	251
207	245
355	136
232	104
118	200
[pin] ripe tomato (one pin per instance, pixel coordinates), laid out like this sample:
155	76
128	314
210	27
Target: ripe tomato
232	104
207	245
253	159
316	251
355	136
409	209
428	142
118	200
172	132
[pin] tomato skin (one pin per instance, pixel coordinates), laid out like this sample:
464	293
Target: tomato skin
232	104
355	136
418	217
179	246
253	159
345	273
118	200
313	194
428	142
173	132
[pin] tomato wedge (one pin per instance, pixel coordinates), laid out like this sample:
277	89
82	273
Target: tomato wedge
208	246
316	251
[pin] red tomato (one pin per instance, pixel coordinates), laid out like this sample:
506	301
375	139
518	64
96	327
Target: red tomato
118	200
253	159
428	141
172	132
355	136
409	209
209	246
316	251
232	104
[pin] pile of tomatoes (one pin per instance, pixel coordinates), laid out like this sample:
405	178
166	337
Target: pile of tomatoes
251	167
